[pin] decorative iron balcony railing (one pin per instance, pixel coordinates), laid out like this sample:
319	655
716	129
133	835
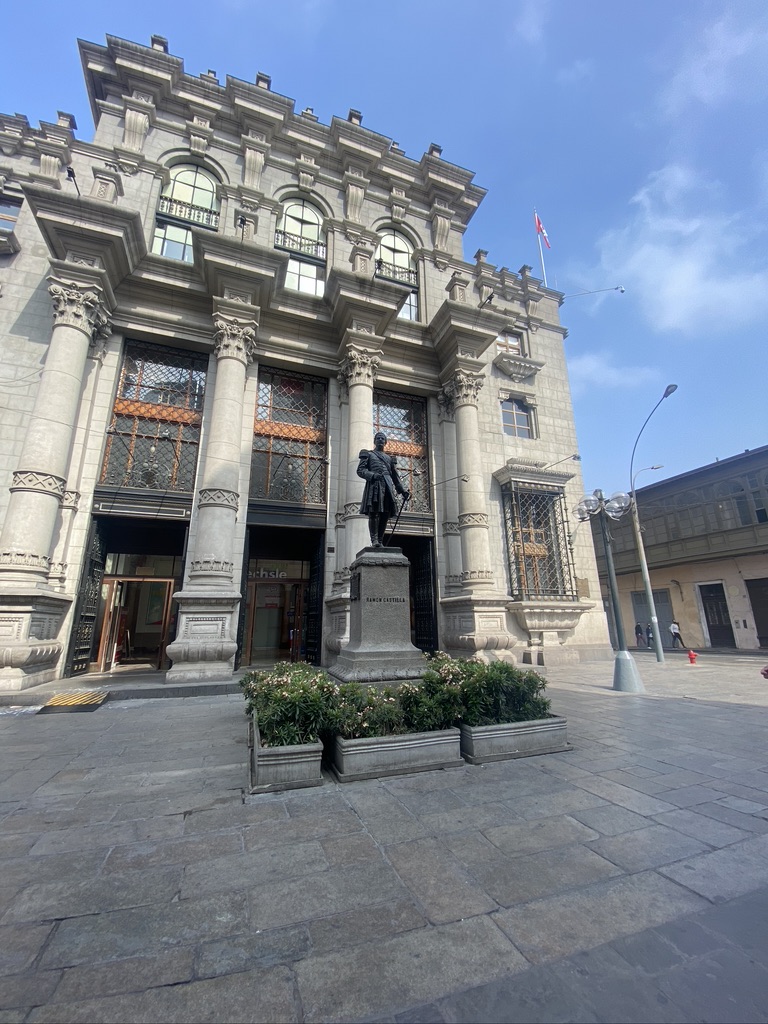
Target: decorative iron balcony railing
186	211
295	243
395	273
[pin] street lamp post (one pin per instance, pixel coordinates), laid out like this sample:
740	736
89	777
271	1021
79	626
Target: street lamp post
625	674
669	390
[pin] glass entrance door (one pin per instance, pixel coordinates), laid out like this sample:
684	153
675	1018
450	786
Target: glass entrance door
135	617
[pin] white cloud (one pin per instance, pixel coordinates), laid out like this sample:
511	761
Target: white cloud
686	260
529	20
726	60
597	370
576	72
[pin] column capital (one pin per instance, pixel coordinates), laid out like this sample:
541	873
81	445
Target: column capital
359	366
462	389
235	337
76	305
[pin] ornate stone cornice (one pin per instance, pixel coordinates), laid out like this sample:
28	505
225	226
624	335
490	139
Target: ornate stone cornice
359	366
82	308
463	388
234	338
45	483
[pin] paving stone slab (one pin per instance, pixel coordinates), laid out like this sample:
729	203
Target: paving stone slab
133	975
532	836
70	898
145	931
440	885
647	847
610	820
726	986
20	946
370	924
522	879
71	840
261	995
647	951
244	870
286	902
723	874
351	849
29	989
614	793
405	970
187	850
243	952
748	822
547	929
272	834
468	817
699	826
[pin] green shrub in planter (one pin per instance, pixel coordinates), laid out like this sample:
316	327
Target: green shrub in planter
436	704
363	711
501	693
292	703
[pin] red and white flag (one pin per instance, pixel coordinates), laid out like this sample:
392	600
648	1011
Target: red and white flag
541	230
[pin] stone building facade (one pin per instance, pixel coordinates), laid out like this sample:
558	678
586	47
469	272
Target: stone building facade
206	313
705	534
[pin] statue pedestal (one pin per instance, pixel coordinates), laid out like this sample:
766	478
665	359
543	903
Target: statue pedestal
379	650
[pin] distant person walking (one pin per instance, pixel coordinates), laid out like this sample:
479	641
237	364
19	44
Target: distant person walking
639	636
674	629
764	672
649	634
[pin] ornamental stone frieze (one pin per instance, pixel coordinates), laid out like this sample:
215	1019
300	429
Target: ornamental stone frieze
206	566
82	308
468	519
218	496
463	388
234	339
351	509
46	483
477	576
450	529
25	560
358	367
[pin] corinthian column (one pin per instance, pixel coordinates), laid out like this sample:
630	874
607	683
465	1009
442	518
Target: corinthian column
357	374
462	391
37	488
205	644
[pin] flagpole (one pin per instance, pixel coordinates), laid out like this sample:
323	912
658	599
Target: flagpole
541	251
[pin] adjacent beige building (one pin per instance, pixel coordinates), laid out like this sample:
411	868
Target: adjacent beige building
206	313
705	534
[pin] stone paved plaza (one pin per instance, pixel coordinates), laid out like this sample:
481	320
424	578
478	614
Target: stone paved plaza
626	880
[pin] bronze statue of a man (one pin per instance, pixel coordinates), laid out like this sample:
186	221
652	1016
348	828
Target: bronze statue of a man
379	470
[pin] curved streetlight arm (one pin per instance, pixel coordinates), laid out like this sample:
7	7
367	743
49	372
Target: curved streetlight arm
668	390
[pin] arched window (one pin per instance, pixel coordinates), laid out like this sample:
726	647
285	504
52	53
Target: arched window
395	261
300	231
516	418
188	198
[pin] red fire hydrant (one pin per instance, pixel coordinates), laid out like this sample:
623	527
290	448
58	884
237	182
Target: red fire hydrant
692	657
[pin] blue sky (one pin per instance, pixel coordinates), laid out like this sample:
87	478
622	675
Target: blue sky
638	130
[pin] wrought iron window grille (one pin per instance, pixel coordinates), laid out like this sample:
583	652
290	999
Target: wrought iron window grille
538	555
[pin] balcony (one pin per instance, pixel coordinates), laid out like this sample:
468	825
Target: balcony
193	214
295	243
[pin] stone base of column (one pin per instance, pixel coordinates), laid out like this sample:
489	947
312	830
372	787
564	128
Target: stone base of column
204	650
379	651
477	623
29	646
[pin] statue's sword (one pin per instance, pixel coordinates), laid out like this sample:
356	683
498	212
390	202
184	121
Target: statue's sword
392	531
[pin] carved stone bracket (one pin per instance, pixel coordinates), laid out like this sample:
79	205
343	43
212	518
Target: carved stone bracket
355	184
218	496
46	483
450	529
78	307
71	500
234	339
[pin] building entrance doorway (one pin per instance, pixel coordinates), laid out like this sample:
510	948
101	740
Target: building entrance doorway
135	620
758	598
716	614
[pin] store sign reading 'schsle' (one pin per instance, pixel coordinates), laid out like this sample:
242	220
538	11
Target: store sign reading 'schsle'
271	569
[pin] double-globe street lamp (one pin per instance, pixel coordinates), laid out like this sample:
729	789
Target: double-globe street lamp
669	390
625	674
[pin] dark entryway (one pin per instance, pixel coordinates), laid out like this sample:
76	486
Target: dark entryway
419	552
758	597
717	615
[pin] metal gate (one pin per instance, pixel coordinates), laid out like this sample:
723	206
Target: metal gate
314	609
83	633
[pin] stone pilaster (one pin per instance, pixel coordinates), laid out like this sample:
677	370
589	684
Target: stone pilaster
461	392
205	645
28	605
450	497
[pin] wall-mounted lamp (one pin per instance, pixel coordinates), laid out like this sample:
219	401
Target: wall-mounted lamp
71	177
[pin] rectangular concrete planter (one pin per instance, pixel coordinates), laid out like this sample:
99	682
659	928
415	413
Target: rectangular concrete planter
273	769
378	756
481	743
